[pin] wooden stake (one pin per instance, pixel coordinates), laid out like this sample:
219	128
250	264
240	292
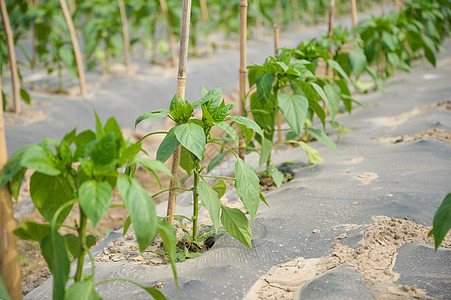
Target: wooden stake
384	2
9	258
276	53
396	6
12	57
181	84
331	30
125	37
75	46
243	70
206	21
172	43
354	13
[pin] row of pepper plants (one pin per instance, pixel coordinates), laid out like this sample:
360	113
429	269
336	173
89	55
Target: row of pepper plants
313	79
101	27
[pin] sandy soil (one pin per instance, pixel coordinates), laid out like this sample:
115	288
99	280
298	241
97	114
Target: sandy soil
374	260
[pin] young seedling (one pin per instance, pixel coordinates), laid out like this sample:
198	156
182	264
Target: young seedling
193	135
84	169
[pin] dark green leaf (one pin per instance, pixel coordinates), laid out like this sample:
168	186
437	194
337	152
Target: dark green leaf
236	223
339	69
16	183
265	83
192	137
248	133
73	244
104	151
247	186
141	208
32	231
25	96
442	221
50	192
210	199
167	146
294	109
95	197
220	187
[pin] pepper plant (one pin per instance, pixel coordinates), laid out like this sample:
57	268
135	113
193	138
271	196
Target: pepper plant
82	170
193	135
283	84
442	221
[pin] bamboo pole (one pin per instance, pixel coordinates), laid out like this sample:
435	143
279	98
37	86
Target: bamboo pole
396	6
354	13
9	258
75	46
172	43
384	3
331	30
12	57
125	36
276	53
243	70
181	84
206	21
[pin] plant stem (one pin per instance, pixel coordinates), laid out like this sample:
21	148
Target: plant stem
170	189
82	237
196	205
218	177
214	142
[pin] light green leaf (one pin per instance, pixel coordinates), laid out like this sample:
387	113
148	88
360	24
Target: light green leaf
153	114
323	138
153	166
186	160
294	109
339	69
3	290
95	197
210	199
313	155
167	146
276	175
248	134
35	157
247	186
236	223
442	221
54	250
168	235
220	187
248	123
104	150
50	192
32	231
83	290
357	60
333	95
192	137
141	208
265	155
230	131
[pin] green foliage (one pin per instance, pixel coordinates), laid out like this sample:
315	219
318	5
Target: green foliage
193	135
83	168
442	221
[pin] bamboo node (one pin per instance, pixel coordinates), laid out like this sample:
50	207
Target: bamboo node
243	70
243	4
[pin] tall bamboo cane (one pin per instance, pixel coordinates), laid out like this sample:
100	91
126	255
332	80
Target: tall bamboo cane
181	84
396	6
125	37
12	57
354	13
243	70
331	29
384	3
276	53
75	46
172	43
9	258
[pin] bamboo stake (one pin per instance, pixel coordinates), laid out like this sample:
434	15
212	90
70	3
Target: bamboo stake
354	13
9	258
75	46
172	43
396	6
243	70
384	2
125	37
12	57
181	84
276	53
206	21
331	29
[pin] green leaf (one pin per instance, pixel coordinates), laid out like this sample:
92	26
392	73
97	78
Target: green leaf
339	69
247	186
16	183
262	198
248	123
83	290
320	91
37	158
127	224
104	151
153	166
25	96
265	154
236	223
168	235
32	231
141	208
3	290
248	134
210	199
153	114
313	155
230	131
167	146
154	292
442	221
294	109
276	175
50	192
13	165
66	55
210	96
333	93
186	160
192	137
73	243
323	138
95	197
220	187
357	60
265	83
217	160
54	250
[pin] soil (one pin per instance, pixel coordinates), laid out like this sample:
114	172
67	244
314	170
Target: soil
432	133
374	260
